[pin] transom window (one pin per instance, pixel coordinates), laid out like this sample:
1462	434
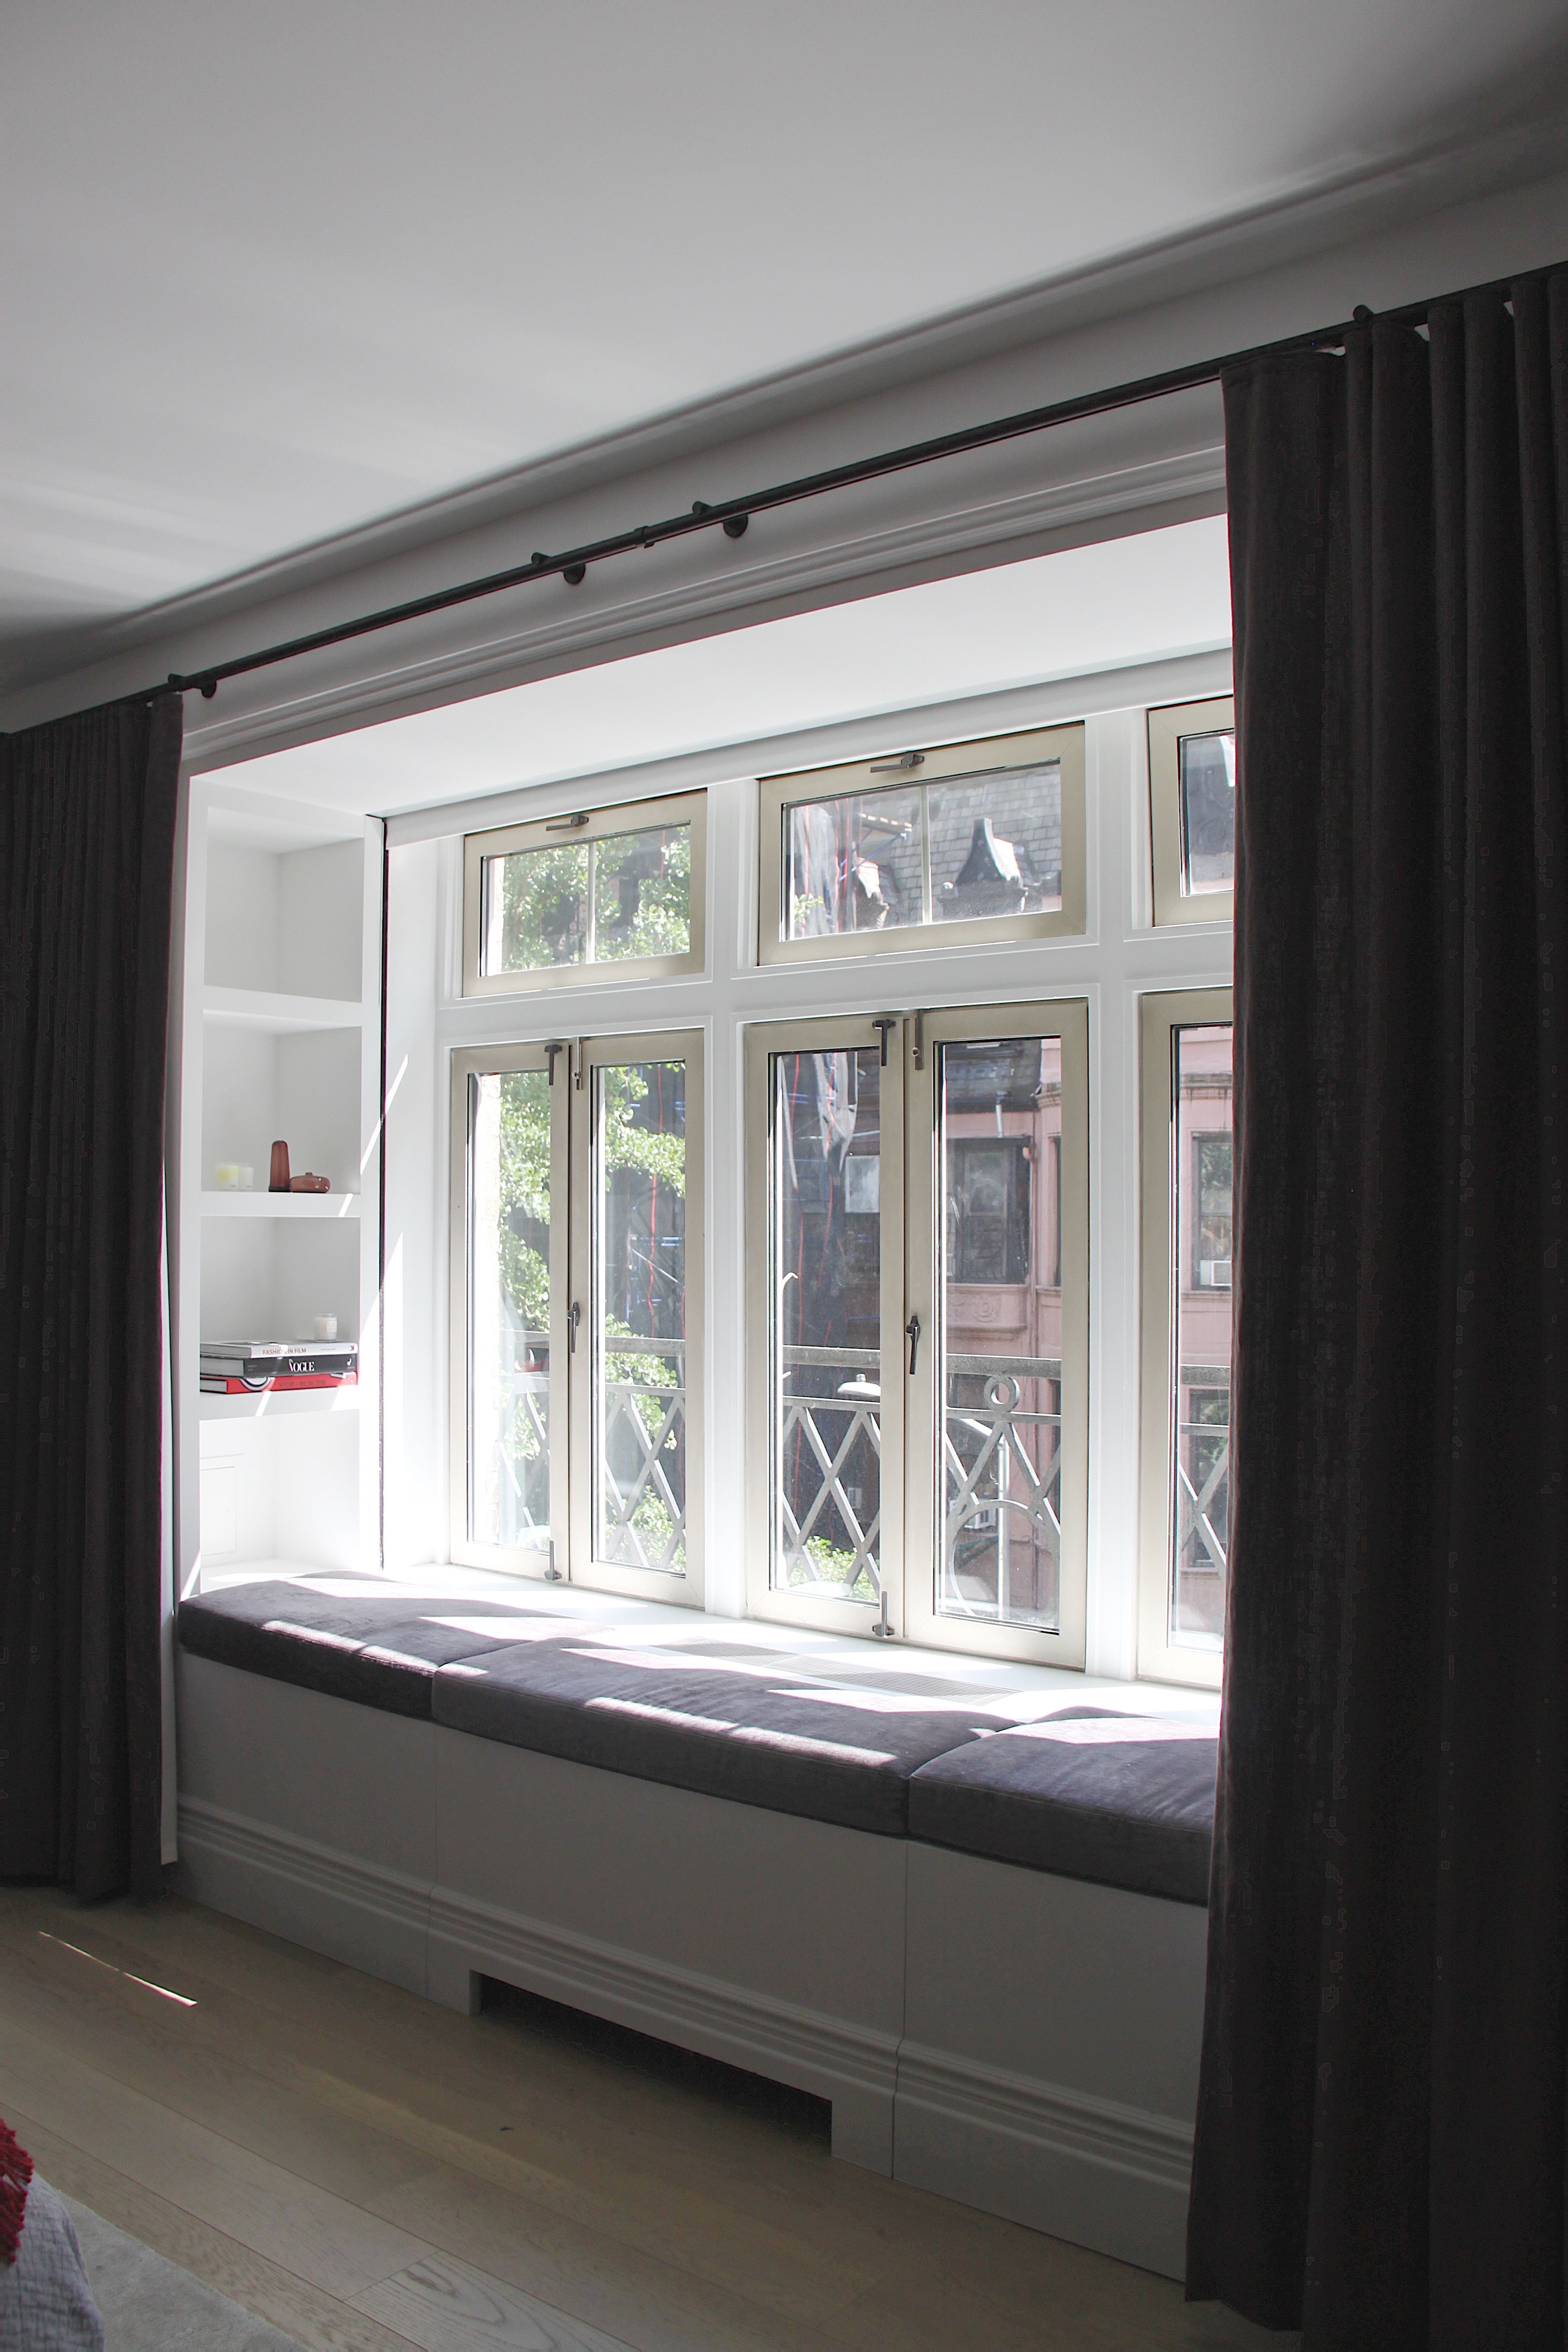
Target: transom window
1192	809
972	841
610	892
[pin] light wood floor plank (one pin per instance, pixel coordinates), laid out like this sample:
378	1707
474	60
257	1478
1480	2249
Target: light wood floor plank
445	2308
322	2237
459	2183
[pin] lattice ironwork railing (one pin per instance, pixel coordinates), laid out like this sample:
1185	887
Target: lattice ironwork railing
640	1452
1200	1545
1003	1510
640	1458
1002	1462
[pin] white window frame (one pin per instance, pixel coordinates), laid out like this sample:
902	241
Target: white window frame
1119	956
975	758
1167	726
595	1054
570	1556
1161	1015
483	1061
911	1448
589	825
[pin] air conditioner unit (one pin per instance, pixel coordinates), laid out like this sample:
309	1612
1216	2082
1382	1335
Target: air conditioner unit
1214	1274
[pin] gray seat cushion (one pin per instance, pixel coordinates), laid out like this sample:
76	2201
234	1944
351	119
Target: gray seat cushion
762	1736
347	1637
1127	1800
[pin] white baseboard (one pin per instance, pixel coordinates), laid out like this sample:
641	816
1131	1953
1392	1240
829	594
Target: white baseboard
363	1913
1089	2170
1093	2170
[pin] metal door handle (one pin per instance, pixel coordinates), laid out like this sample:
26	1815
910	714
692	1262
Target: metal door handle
913	1334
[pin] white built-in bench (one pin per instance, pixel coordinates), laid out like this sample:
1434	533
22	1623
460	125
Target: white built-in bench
965	1907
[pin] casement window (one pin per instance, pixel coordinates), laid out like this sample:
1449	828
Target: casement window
611	894
967	842
577	1311
1188	1213
900	1320
1192	810
918	1299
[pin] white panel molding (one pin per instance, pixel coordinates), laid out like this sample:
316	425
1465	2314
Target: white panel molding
1147	2148
208	1829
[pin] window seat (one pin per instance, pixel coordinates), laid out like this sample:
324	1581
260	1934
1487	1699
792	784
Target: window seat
963	1900
1017	1775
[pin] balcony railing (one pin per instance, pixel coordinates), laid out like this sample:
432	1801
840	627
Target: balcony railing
1001	1457
640	1516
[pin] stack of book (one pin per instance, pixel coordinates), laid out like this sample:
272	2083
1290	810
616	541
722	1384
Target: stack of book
247	1367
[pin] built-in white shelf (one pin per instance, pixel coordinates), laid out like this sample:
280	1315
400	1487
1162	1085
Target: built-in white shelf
306	1205
276	1404
278	1015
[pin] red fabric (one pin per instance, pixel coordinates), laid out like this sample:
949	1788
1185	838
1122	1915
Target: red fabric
16	2173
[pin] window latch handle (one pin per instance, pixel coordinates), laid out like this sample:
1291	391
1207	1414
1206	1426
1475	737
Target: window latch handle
556	1045
573	1316
913	1334
884	1022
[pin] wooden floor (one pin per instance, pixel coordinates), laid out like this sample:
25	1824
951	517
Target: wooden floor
369	2172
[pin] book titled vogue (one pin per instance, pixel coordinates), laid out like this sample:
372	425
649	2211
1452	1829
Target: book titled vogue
247	1367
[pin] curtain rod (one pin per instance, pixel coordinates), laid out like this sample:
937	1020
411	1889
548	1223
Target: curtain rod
733	515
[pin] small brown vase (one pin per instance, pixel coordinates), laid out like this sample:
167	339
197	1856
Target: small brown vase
278	1181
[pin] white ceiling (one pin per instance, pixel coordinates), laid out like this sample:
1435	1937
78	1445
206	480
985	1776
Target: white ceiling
273	269
1143	598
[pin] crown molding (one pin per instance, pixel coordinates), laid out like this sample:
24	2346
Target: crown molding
1312	214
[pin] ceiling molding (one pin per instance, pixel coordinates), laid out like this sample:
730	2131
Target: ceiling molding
1313	214
892	550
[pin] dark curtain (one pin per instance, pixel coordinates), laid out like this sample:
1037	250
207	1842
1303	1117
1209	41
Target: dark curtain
87	848
1379	2142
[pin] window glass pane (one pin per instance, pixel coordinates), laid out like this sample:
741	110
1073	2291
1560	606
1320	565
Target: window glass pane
1208	812
588	901
997	843
853	864
825	1323
535	909
959	851
1201	1226
638	1316
1000	1333
509	1309
642	894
